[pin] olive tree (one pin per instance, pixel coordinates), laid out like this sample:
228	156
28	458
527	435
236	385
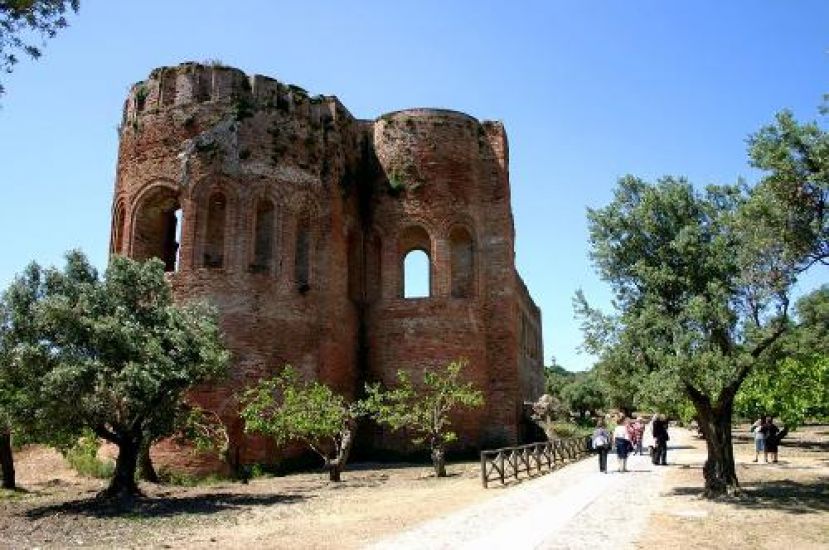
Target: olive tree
113	354
424	409
700	297
288	408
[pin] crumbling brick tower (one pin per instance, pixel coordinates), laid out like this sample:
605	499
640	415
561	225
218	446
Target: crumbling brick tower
294	219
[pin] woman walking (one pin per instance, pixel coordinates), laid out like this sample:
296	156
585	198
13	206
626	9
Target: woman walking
601	442
622	444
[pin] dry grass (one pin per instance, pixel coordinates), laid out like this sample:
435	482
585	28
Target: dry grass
783	505
57	508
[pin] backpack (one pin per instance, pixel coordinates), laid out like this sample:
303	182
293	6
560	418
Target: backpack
599	440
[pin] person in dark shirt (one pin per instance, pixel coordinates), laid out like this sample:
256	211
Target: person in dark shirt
773	437
660	436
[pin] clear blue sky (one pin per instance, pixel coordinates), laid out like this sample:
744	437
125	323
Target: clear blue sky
588	91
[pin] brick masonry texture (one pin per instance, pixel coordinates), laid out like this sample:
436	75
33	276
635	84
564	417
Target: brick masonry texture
294	218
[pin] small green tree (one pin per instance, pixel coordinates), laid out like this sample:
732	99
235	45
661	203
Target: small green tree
424	409
114	355
287	408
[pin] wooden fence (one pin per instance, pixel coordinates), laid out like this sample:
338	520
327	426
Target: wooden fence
534	459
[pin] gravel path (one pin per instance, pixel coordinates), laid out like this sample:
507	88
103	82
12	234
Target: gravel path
575	507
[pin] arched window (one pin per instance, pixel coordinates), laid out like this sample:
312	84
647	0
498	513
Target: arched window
214	238
302	269
355	266
463	263
263	236
157	232
118	230
373	255
416	276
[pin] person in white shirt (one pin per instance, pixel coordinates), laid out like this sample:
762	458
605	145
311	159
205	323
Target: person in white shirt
622	444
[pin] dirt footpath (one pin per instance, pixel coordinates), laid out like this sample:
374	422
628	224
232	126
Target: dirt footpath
575	507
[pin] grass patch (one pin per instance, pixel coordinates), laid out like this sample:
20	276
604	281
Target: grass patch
83	457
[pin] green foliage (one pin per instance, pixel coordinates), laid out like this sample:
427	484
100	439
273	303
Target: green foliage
83	457
181	479
791	200
287	408
204	429
22	20
423	410
795	385
585	394
114	355
794	390
242	108
564	430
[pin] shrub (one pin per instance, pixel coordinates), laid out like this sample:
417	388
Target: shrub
83	457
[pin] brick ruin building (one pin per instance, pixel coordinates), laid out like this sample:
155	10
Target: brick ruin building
294	218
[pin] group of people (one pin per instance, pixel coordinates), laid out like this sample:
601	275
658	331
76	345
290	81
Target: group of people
767	438
631	436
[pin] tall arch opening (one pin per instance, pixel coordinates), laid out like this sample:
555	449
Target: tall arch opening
157	228
118	220
214	238
416	268
302	259
462	262
263	236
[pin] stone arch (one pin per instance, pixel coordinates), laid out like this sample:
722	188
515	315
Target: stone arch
355	259
302	253
412	241
373	263
215	234
263	245
462	262
156	224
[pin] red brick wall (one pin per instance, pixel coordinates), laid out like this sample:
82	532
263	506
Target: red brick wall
193	134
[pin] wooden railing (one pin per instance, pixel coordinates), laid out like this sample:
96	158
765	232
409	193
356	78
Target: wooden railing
509	463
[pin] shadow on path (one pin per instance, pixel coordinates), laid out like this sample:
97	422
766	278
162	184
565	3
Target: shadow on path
159	507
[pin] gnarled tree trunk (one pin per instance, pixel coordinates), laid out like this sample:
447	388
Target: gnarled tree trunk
7	458
719	471
123	480
146	470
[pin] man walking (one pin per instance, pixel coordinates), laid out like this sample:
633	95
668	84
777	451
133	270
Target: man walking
660	436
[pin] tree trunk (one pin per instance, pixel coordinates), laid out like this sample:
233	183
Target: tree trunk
146	470
123	480
337	465
719	471
439	459
7	459
334	470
